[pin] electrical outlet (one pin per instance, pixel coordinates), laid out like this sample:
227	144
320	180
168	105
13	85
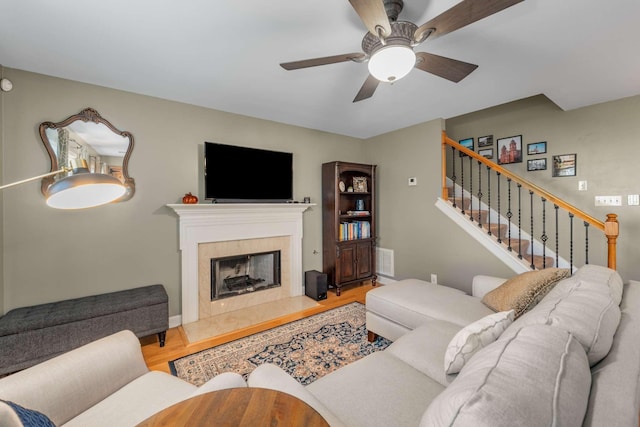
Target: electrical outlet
608	200
434	278
413	181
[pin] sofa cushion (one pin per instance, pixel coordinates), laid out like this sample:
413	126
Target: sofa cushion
583	308
25	417
273	377
136	401
359	393
470	339
524	291
410	302
605	276
424	348
614	398
538	376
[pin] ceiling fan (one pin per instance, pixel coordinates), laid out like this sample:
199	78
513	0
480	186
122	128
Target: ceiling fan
388	46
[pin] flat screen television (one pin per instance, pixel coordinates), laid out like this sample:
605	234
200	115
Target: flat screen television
236	174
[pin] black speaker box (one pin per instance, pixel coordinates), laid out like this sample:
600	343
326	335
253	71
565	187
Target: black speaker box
315	285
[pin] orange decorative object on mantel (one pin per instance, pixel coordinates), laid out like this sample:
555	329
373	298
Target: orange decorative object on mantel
189	199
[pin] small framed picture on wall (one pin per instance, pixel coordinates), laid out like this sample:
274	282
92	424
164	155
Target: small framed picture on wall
485	141
564	165
537	148
510	150
466	143
537	164
487	153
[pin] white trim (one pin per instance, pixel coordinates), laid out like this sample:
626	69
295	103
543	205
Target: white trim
482	237
206	223
385	280
175	321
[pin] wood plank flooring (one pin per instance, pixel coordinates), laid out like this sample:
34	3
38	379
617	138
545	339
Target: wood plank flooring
177	345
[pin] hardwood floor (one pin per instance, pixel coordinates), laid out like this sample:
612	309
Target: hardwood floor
177	345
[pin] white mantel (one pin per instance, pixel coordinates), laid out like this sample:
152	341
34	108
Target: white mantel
204	223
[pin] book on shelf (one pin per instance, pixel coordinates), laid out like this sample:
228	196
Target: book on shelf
358	213
354	230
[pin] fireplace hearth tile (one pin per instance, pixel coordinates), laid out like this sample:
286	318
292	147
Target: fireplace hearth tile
228	322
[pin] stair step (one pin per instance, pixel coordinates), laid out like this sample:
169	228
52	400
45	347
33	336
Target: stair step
497	231
461	202
522	249
538	261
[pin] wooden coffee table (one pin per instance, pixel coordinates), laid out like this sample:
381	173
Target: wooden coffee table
247	406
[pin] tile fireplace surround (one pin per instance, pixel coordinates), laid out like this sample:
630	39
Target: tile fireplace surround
204	224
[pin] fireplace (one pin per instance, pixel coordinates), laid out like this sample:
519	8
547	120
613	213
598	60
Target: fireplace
240	274
220	230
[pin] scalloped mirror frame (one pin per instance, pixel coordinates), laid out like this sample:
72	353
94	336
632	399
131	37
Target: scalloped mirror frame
87	115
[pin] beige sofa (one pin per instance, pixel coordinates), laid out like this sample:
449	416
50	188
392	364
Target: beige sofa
104	383
573	359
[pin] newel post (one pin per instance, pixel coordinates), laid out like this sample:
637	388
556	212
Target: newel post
611	230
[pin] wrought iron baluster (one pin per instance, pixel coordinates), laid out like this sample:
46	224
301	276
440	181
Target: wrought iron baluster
544	236
556	208
499	217
489	199
586	242
571	243
470	188
462	183
533	266
520	221
454	178
479	193
509	214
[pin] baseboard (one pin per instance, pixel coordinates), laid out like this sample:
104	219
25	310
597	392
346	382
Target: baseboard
175	321
385	280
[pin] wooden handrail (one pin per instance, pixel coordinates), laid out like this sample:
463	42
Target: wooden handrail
610	227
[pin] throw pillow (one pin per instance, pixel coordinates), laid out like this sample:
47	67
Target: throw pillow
29	417
524	291
473	337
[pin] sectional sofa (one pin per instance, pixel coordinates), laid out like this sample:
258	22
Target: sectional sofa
105	383
571	357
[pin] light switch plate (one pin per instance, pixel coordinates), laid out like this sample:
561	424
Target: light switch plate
582	185
633	200
608	200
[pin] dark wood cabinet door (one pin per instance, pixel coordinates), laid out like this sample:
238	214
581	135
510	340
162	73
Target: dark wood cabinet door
365	257
346	263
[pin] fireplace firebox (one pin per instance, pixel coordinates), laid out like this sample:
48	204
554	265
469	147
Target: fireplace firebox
241	274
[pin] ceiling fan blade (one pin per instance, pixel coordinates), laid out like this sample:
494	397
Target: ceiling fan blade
373	15
357	57
447	68
462	14
366	91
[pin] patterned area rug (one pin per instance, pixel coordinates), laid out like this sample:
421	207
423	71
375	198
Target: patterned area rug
307	349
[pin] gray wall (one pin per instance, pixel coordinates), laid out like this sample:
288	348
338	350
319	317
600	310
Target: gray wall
604	137
1	196
424	240
52	254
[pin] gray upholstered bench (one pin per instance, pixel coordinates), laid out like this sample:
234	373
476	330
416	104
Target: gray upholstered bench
30	335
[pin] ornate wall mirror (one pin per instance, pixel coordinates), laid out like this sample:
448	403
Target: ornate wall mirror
90	137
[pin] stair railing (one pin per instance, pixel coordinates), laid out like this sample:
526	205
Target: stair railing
537	218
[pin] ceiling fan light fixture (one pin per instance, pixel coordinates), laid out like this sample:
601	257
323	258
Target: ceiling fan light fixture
392	62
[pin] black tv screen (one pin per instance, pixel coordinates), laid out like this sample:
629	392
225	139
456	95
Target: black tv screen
242	174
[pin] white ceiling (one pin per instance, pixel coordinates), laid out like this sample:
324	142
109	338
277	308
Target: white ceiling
224	54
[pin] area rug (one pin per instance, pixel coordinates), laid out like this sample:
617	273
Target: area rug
307	349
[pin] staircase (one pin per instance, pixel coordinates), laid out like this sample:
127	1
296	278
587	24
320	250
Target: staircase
523	225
